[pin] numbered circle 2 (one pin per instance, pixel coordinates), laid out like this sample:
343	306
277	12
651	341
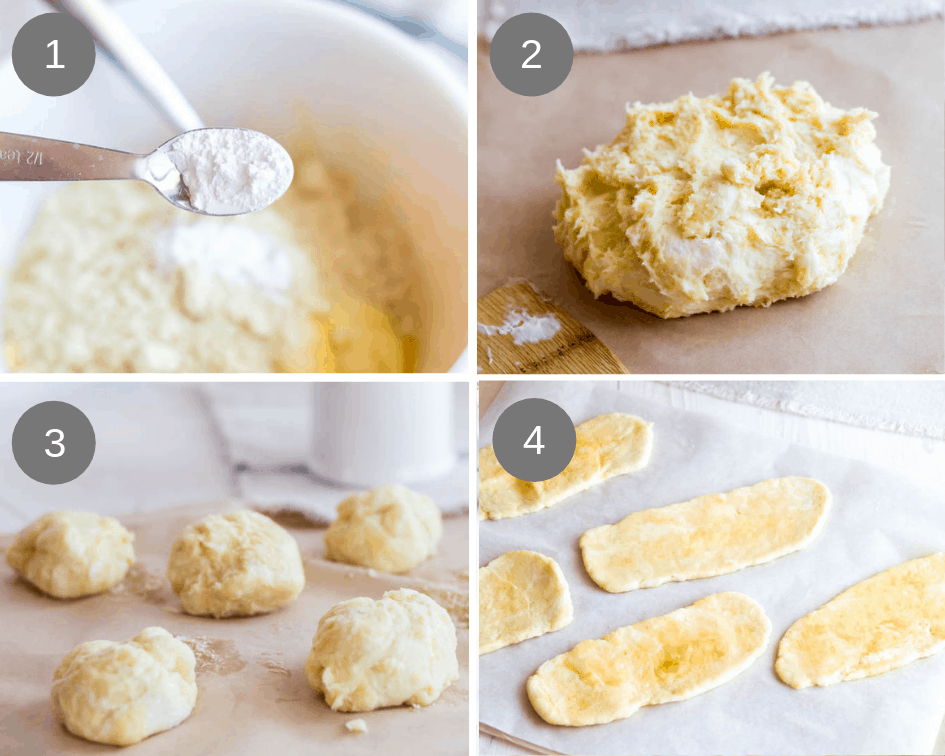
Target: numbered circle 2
534	440
531	54
53	54
53	443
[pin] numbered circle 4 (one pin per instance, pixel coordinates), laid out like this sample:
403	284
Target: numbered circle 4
53	442
531	54
53	54
534	440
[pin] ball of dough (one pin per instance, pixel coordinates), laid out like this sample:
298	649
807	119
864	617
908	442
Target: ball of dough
235	564
704	204
69	554
390	529
120	693
367	654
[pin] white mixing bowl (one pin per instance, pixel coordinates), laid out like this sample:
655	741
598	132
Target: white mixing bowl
382	107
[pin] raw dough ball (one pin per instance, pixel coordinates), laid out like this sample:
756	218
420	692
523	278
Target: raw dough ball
367	654
120	693
390	529
708	203
236	563
69	554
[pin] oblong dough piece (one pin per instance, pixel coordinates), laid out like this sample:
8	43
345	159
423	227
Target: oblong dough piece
880	624
522	594
706	536
668	658
607	445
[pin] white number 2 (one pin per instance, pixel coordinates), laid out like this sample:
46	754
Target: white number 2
57	442
55	64
537	50
538	445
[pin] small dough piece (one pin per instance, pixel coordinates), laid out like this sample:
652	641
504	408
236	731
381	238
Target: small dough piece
69	554
235	564
668	658
704	204
607	446
390	529
706	536
120	693
367	654
880	624
356	725
522	594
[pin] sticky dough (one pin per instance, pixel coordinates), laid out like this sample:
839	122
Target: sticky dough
703	204
522	594
880	624
668	658
706	536
608	445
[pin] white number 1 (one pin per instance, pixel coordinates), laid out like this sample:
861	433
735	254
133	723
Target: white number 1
538	445
537	50
57	442
55	64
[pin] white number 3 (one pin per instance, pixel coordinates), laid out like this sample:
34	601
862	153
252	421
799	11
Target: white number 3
57	442
538	445
537	50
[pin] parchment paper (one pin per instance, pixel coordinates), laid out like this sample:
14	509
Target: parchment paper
886	314
253	696
878	520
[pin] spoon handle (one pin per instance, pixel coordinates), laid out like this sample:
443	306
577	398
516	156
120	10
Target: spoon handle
28	158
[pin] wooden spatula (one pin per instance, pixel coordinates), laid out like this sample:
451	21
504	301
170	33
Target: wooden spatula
573	349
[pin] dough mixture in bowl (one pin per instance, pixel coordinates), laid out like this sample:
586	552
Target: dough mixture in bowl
112	278
705	204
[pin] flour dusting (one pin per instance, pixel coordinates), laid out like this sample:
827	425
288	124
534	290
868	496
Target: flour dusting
524	328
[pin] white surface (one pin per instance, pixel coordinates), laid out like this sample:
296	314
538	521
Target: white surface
921	459
621	24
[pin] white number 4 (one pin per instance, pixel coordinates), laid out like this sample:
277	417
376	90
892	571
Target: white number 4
538	445
526	64
57	442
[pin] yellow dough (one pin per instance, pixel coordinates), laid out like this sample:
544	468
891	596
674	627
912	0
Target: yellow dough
368	654
70	554
704	204
880	624
235	564
662	659
522	594
390	529
120	693
608	445
706	536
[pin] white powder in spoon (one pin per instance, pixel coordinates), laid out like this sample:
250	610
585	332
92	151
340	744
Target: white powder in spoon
231	171
523	328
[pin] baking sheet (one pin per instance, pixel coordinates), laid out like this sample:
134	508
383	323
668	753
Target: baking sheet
885	315
878	520
253	696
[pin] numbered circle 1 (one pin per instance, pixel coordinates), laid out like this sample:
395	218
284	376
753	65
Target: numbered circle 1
53	443
534	440
53	54
531	54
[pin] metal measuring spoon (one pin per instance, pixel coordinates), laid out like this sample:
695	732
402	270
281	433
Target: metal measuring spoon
28	158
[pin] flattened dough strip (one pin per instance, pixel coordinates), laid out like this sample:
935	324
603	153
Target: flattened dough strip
668	658
878	625
706	536
522	594
607	446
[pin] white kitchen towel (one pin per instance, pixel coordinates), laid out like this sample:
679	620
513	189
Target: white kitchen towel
605	26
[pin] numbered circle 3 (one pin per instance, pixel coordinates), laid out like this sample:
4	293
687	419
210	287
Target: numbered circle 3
53	442
53	54
534	440
531	54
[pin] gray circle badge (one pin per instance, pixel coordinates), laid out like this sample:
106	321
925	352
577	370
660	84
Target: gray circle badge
53	54
53	443
534	440
531	54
